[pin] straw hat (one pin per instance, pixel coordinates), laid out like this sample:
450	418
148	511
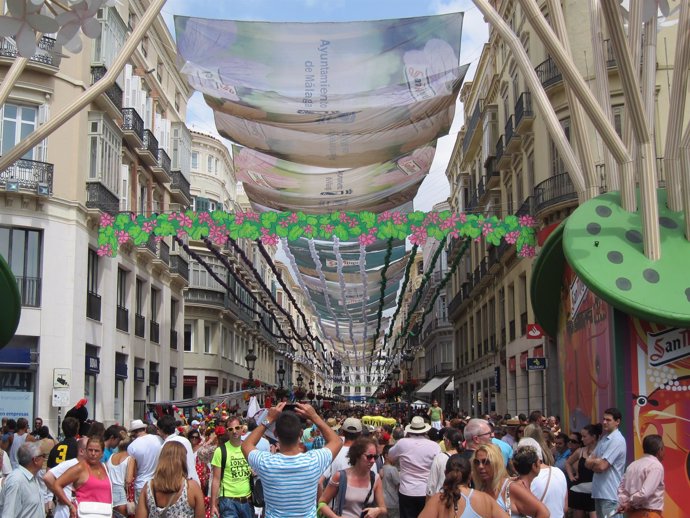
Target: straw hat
417	426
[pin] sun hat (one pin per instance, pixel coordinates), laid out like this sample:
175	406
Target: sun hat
136	424
332	423
352	425
417	426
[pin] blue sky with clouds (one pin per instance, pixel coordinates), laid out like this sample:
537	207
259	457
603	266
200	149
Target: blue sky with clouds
475	34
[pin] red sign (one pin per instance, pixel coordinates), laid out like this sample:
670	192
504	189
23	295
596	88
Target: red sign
534	332
189	381
211	381
523	360
512	364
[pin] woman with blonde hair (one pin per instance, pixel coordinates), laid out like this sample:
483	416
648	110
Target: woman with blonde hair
170	493
535	432
490	476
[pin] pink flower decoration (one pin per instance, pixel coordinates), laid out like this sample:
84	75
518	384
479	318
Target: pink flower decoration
512	237
432	217
122	236
367	239
527	251
204	217
239	218
293	218
527	221
399	218
217	235
107	220
449	222
308	229
284	223
104	250
253	216
181	233
185	221
328	229
269	239
158	239
148	226
384	216
419	235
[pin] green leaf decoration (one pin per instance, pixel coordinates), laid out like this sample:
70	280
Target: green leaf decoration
346	226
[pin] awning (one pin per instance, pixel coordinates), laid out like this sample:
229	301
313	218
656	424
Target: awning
433	384
451	385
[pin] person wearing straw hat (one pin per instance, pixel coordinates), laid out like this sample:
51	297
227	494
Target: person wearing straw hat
144	449
415	453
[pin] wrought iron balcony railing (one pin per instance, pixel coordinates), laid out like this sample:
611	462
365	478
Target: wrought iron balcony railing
548	73
551	191
45	51
150	143
98	196
114	92
29	174
30	291
132	121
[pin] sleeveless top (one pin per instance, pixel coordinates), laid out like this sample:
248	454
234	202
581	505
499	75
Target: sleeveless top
504	502
584	474
119	472
468	512
435	413
180	508
95	489
354	500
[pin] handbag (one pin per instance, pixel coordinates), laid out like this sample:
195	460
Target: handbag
94	510
367	505
257	489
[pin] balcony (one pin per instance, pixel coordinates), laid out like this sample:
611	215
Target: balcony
524	116
161	169
132	127
154	331
45	57
471	131
493	174
548	73
164	252
179	189
553	191
511	139
179	267
204	297
502	156
150	247
30	291
93	306
139	325
173	339
99	197
122	319
149	149
473	202
29	175
481	188
111	99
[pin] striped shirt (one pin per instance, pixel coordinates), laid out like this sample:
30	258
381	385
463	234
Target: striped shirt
290	482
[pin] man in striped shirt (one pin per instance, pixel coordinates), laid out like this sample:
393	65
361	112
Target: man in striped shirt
290	477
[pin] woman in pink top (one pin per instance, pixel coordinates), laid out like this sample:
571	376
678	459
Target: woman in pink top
89	479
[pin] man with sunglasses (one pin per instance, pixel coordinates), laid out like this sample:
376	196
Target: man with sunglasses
230	489
477	432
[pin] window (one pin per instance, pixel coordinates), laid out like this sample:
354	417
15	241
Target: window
105	146
17	123
92	272
155	301
174	308
209	164
199	277
557	165
195	160
188	337
22	248
139	297
207	339
121	288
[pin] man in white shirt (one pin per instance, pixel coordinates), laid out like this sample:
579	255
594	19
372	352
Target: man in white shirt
144	449
61	510
167	430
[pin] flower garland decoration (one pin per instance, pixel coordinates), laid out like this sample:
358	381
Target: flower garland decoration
247	384
270	227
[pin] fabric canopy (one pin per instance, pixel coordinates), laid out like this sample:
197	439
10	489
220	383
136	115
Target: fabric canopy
433	384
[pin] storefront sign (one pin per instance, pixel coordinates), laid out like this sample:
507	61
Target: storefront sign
92	365
668	346
537	363
139	374
497	379
189	381
534	332
211	381
121	371
14	405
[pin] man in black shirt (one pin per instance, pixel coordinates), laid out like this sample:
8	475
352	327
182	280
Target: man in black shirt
67	448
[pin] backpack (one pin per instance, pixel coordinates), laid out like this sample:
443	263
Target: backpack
257	489
342	489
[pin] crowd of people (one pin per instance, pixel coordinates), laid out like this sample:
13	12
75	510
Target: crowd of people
290	461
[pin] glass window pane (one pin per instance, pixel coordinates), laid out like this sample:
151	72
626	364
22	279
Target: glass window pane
17	257
9	129
5	243
33	254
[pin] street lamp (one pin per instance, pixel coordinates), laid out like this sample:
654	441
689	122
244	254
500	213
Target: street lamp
281	376
396	374
318	388
408	358
251	363
300	380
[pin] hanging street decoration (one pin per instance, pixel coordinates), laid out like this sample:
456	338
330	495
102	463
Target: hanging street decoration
362	227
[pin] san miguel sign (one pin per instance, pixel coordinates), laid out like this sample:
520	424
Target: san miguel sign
668	346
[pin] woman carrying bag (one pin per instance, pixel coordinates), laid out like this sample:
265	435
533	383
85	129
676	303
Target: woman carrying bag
356	492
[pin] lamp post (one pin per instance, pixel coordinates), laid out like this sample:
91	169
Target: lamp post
300	380
251	363
408	358
311	391
281	376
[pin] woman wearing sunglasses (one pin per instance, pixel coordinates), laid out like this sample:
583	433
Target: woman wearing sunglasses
513	496
363	497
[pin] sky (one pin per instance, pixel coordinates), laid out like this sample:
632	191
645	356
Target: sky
475	33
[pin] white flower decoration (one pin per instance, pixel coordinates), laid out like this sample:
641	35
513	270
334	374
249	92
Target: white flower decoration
81	16
22	24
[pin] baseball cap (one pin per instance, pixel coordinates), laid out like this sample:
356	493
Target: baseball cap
352	425
195	423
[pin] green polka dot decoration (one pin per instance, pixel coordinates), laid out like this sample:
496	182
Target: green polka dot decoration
10	303
603	243
547	278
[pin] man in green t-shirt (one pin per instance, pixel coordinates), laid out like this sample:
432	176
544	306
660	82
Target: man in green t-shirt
435	415
230	496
